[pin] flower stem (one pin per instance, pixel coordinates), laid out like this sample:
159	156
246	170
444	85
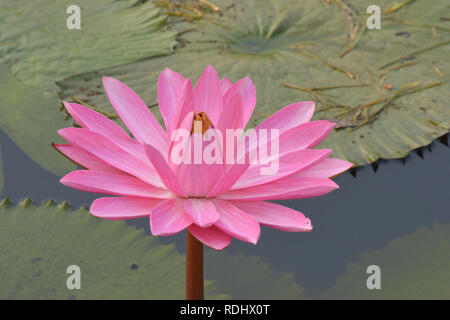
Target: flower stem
194	268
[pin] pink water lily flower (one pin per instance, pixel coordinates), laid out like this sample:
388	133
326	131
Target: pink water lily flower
215	202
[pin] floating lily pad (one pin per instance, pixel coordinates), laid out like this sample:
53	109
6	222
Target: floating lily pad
1	170
247	277
416	266
117	261
24	120
39	49
286	44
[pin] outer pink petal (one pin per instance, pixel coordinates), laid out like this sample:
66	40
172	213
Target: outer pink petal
275	216
247	90
225	84
236	222
165	173
290	187
168	218
95	121
304	136
112	154
112	183
202	211
326	169
170	84
287	164
208	95
84	158
211	236
118	208
135	114
290	116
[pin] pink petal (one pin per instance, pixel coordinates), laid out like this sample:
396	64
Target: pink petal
290	187
290	116
275	216
326	169
135	114
112	154
232	115
118	208
247	90
236	222
169	88
225	84
197	179
95	121
212	236
228	179
208	95
168	218
186	125
202	211
185	104
287	164
164	171
112	183
304	136
84	158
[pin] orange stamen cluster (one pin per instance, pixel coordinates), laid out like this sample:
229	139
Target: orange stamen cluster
205	123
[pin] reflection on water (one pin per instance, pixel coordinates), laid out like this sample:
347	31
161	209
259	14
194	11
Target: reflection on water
364	215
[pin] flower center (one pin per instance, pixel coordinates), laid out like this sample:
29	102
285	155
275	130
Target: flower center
201	123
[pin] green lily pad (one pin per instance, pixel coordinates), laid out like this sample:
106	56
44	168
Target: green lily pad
39	49
24	120
116	260
247	277
286	44
1	170
416	266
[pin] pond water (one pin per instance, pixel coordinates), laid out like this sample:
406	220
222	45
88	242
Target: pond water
365	214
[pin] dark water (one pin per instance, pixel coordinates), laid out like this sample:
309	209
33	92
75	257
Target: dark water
365	214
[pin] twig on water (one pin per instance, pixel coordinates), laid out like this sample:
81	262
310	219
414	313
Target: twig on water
290	85
414	52
328	64
396	6
404	65
320	96
355	41
436	123
416	24
402	91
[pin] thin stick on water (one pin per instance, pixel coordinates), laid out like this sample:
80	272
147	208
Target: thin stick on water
415	52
